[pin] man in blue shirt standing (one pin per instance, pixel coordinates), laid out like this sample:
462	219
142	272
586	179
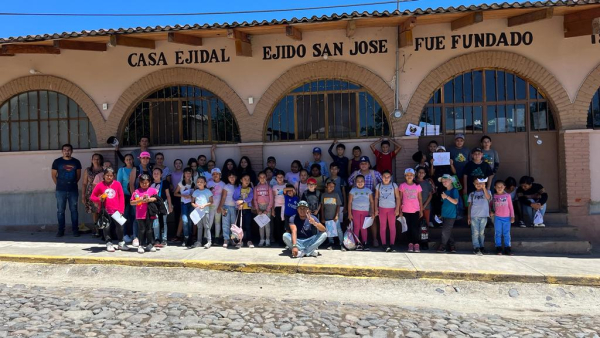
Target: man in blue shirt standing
66	172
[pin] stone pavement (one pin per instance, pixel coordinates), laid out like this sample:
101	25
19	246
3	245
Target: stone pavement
574	270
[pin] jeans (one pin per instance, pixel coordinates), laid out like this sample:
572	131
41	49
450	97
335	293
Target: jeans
129	214
307	245
502	229
478	231
338	227
204	224
447	226
156	227
62	197
529	213
358	219
214	216
387	216
186	209
228	219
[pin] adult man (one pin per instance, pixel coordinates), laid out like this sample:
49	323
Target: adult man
144	143
372	178
272	164
307	233
66	172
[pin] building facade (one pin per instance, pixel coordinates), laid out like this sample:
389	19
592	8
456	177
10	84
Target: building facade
526	75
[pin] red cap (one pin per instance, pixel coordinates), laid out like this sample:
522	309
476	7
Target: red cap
311	181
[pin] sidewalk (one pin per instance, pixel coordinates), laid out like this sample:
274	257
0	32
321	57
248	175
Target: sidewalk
574	270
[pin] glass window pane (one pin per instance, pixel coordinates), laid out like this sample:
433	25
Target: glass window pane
63	130
24	136
4	136
449	92
510	87
43	97
62	106
14	109
14	136
84	141
33	136
510	118
54	137
551	125
23	107
53	102
459	120
491	119
437	97
490	85
478	119
458	89
477	86
468	110
44	137
4	112
520	118
468	87
501	86
33	105
533	94
521	89
74	133
501	119
362	113
73	109
449	120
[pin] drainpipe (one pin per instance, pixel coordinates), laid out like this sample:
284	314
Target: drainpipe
397	111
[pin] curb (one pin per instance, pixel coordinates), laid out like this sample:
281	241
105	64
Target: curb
311	269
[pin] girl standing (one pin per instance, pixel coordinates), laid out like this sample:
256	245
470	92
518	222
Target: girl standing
360	201
293	176
176	177
503	214
160	163
110	192
227	207
163	188
387	207
245	168
412	209
88	186
426	193
263	203
129	213
184	191
243	196
202	200
228	168
141	197
216	187
302	185
278	205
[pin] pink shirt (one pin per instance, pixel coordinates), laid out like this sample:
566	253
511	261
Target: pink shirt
115	200
503	205
142	208
278	196
410	197
263	195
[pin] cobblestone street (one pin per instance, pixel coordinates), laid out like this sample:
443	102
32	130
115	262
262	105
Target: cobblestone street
167	308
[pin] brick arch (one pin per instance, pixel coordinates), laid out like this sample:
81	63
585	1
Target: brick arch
584	98
59	85
311	71
152	82
515	63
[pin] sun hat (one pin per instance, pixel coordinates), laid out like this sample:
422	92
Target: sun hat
446	177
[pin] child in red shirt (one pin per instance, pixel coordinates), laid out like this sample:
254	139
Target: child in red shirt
385	156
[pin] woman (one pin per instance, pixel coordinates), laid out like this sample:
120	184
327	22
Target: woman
245	168
176	177
87	187
123	178
193	163
532	197
228	167
160	163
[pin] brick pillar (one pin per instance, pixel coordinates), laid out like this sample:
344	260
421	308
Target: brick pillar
577	171
410	145
255	154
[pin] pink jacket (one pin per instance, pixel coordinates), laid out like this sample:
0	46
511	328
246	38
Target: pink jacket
115	199
503	205
263	195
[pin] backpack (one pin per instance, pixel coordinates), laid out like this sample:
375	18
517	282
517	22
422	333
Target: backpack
351	241
103	219
237	234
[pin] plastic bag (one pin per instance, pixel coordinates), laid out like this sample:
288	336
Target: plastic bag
538	218
424	230
351	242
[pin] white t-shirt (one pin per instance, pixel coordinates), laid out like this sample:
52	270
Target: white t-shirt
292	178
185	190
202	197
229	188
217	191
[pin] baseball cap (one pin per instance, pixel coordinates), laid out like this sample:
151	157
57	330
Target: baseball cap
215	171
271	158
289	186
409	170
365	159
329	180
440	148
145	154
316	150
446	177
302	204
476	150
311	181
459	136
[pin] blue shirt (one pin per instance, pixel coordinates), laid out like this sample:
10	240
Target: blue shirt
449	209
291	204
67	173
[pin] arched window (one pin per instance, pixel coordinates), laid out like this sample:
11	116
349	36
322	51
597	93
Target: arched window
43	120
594	111
486	101
181	115
327	109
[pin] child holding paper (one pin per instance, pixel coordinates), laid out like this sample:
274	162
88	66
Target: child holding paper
263	203
110	192
243	195
387	207
140	198
278	204
227	207
330	210
202	200
412	209
360	202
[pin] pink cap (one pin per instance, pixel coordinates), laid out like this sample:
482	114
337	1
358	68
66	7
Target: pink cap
145	154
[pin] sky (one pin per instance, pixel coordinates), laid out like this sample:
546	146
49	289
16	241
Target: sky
12	26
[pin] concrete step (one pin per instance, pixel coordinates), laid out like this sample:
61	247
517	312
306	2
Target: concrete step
556	218
561	231
551	246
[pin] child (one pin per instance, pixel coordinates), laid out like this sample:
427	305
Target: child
354	163
216	187
387	207
184	190
202	200
449	202
459	154
263	203
490	156
208	174
476	168
340	188
426	193
479	210
384	158
243	196
123	178
227	207
330	210
412	209
140	198
511	188
421	160
163	188
312	196
432	148
503	214
289	210
303	183
270	175
278	204
360	202
339	159
293	176
110	192
317	160
532	198
315	171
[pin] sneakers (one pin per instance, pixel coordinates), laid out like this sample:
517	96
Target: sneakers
150	248
366	248
163	244
261	243
375	243
437	219
411	247
84	229
126	239
250	245
225	244
539	225
300	254
483	251
197	244
267	243
140	250
342	248
315	253
330	247
498	250
135	242
239	245
452	249
208	245
388	249
417	248
157	244
431	225
123	246
441	248
477	251
110	247
522	224
507	251
60	234
184	242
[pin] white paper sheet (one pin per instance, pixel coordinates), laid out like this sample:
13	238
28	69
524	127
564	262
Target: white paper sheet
119	218
331	228
197	215
413	130
402	221
262	220
441	159
368	222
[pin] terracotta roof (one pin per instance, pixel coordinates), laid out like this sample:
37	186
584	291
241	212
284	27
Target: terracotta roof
303	20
